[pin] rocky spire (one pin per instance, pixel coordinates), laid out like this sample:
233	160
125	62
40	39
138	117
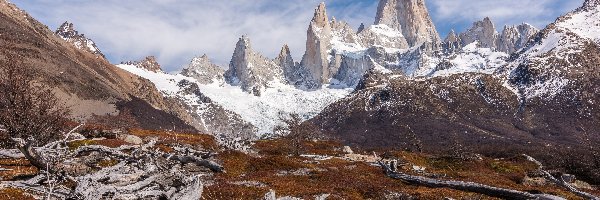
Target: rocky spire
452	42
483	32
149	63
320	18
203	70
361	28
317	44
412	19
514	38
67	32
250	70
291	71
285	60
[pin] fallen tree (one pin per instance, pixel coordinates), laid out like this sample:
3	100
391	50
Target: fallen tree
464	186
560	182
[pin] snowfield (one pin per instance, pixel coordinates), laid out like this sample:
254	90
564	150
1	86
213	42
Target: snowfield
264	112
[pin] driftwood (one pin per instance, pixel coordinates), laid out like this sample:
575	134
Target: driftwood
144	172
464	186
560	182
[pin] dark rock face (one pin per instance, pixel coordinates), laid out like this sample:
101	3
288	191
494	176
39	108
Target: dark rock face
543	101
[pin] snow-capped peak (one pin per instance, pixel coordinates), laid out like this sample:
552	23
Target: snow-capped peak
68	33
149	63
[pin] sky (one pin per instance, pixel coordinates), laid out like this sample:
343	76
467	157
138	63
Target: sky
177	30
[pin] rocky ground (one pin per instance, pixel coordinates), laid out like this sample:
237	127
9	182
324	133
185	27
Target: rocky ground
323	170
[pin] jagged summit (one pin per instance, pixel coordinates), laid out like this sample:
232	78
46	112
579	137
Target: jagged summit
317	45
452	42
361	28
149	63
203	70
483	31
320	16
67	32
412	19
251	70
511	39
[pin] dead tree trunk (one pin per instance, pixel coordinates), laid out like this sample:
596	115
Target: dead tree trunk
463	186
561	182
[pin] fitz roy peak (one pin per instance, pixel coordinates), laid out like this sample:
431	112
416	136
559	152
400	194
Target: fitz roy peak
412	19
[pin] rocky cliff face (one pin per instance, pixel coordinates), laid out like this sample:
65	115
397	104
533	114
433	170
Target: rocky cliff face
511	39
482	31
68	33
294	73
412	19
318	42
452	43
338	55
204	71
149	63
250	70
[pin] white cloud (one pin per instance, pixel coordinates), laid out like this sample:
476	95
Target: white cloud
175	31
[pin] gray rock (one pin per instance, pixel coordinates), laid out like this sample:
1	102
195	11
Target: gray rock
514	38
250	70
317	46
132	139
412	19
203	70
347	150
68	33
482	31
149	63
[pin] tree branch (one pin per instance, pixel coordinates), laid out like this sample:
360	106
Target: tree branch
560	182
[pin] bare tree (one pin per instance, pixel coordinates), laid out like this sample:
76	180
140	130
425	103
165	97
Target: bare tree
28	108
416	142
295	132
30	113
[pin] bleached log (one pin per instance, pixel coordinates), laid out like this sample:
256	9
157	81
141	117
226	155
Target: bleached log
102	149
137	175
213	166
26	148
561	182
11	153
463	186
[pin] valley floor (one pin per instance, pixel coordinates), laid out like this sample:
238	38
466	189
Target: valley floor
323	170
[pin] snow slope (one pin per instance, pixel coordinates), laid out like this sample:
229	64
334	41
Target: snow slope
264	112
474	59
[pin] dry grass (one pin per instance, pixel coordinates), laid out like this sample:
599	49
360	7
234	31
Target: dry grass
19	168
14	194
341	178
168	137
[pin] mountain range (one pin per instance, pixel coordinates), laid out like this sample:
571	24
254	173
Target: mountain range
518	90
